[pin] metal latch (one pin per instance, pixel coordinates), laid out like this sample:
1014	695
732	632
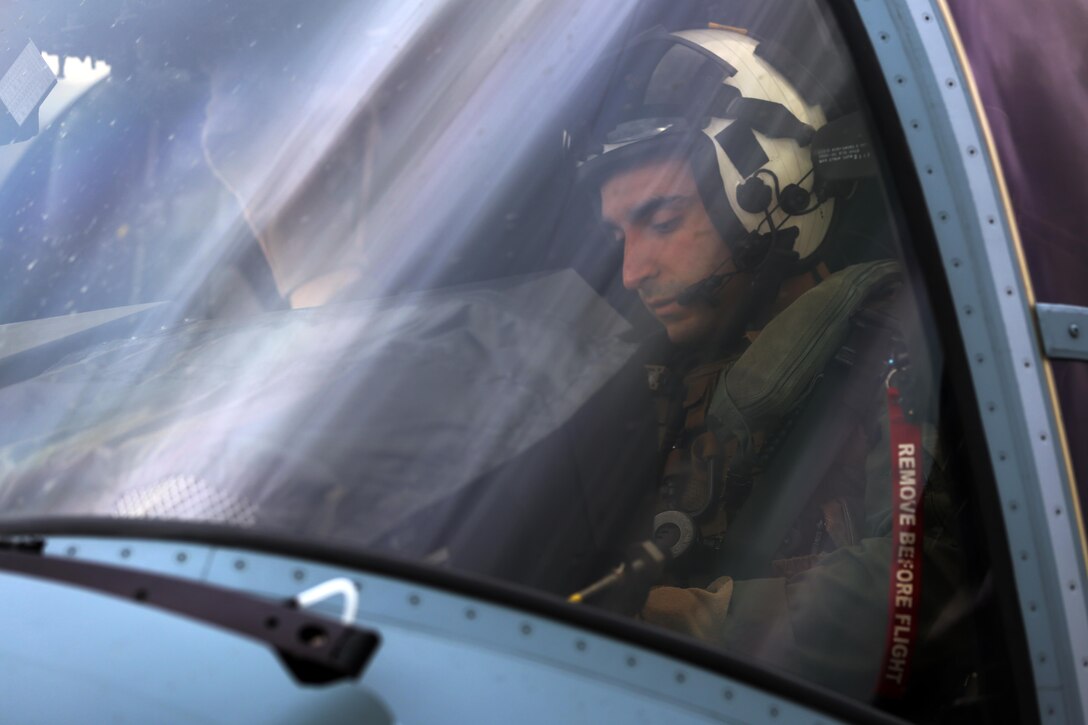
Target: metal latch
1064	329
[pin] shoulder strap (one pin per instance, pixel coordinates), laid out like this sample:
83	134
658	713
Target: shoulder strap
842	397
779	368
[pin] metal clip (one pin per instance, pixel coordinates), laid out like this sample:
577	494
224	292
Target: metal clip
340	586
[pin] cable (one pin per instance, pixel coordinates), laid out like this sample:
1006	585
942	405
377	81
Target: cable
774	178
777	206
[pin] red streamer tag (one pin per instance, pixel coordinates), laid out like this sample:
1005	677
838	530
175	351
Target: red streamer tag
905	590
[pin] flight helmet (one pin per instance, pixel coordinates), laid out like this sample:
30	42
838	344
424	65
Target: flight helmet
745	114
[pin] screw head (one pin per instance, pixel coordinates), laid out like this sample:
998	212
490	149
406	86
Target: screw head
1074	330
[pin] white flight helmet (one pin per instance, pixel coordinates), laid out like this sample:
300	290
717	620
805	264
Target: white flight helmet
747	129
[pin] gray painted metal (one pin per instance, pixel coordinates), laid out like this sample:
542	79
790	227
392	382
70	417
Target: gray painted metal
1064	329
929	88
444	657
18	337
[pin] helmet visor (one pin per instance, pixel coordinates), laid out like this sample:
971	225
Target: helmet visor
662	83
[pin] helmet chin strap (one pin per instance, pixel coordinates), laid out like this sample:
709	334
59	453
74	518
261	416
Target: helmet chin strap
769	270
748	255
778	264
706	289
769	256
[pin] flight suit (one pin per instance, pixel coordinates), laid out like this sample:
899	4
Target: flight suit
815	602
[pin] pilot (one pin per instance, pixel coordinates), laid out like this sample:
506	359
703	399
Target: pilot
783	388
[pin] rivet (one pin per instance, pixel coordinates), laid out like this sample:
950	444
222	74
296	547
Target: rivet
71	551
900	80
971	151
182	557
1008	291
943	216
991	407
414	600
956	263
915	125
470	614
950	83
727	694
1072	586
1032	606
968	309
885	37
580	645
774	712
681	678
298	574
979	358
239	564
1058	511
1002	456
1024	557
1014	506
991	220
1042	657
929	170
526	629
126	553
632	662
927	17
1074	331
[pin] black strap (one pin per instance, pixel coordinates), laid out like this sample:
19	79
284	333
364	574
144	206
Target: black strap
769	118
742	148
797	73
315	649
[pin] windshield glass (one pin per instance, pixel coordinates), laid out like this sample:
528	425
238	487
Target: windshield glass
530	290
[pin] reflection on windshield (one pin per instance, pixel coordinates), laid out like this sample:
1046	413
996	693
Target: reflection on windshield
252	409
497	288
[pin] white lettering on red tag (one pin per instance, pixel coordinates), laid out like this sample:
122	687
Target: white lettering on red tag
905	589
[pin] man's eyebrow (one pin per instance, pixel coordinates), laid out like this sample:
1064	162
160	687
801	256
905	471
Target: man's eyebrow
644	211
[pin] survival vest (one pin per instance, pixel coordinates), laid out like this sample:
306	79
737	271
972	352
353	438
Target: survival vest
722	422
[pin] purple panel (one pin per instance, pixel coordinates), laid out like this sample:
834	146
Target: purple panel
1030	61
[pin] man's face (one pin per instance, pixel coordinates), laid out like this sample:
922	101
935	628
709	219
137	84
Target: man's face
669	243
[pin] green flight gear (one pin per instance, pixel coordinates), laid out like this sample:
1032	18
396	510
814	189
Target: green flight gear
815	602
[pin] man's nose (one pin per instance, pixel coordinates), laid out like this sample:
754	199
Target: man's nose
639	260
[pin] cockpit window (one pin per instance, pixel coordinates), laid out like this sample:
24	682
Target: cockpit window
609	300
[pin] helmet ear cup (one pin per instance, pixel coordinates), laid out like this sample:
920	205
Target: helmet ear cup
794	200
753	195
